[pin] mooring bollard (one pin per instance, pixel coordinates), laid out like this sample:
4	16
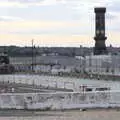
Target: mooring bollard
83	109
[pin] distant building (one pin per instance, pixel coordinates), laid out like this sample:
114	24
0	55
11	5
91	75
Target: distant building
103	64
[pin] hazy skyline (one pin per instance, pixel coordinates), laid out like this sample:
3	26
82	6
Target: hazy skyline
56	22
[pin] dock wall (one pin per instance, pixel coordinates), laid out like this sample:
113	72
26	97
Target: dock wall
59	101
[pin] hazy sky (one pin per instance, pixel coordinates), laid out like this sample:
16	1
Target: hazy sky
56	22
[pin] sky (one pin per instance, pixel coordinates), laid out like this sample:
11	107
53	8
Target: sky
56	22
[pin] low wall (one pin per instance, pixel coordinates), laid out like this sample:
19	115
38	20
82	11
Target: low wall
56	101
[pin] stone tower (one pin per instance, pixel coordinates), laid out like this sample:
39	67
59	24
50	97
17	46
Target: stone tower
100	47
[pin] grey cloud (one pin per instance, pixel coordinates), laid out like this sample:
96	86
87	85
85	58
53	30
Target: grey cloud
22	1
58	12
115	6
52	12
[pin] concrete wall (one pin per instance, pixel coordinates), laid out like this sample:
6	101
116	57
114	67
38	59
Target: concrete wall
103	64
53	101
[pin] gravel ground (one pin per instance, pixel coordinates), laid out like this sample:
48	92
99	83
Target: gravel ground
63	115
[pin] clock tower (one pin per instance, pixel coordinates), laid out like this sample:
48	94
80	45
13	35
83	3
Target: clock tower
100	47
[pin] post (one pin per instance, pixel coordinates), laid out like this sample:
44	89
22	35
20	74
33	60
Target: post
32	54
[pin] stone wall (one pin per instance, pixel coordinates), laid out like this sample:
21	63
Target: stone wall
56	101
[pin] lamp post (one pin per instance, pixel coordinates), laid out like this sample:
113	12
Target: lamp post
32	54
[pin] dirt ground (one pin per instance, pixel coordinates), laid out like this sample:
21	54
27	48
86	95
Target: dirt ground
63	115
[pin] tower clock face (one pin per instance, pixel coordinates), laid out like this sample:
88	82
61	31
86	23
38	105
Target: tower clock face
102	31
97	31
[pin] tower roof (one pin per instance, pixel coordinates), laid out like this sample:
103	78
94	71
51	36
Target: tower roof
100	10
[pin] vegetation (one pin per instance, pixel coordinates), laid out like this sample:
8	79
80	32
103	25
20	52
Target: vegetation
15	51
